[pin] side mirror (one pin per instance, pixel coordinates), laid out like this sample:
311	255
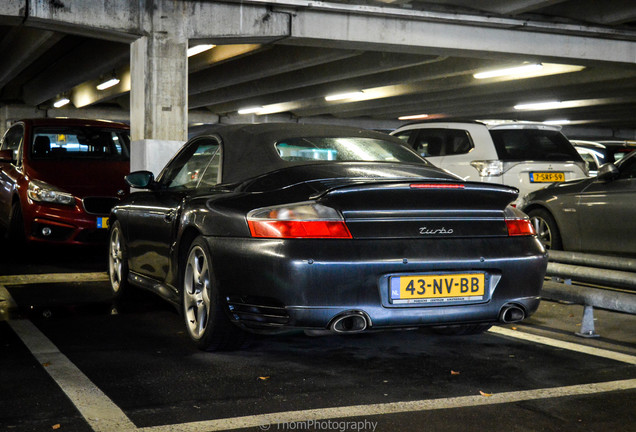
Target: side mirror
6	156
141	179
608	172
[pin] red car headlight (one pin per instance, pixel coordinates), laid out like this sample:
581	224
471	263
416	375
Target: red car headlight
43	192
297	220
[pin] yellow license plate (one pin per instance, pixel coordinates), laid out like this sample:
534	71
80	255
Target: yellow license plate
442	288
547	177
102	222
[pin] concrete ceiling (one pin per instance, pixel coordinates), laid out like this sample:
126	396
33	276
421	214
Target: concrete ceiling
292	81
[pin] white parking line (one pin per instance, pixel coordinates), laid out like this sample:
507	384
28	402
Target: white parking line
97	409
599	352
364	411
103	415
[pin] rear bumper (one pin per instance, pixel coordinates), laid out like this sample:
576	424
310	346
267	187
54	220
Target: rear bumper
279	284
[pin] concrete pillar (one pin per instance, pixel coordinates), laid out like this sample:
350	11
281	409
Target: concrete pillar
4	121
159	89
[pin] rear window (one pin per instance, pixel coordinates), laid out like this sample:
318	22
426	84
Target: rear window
348	149
80	143
442	142
533	144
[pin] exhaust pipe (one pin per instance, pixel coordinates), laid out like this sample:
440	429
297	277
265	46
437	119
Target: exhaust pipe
511	313
349	322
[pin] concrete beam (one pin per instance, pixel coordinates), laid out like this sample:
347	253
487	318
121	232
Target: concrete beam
12	113
112	114
199	117
359	66
220	54
444	83
360	122
614	111
12	12
447	96
621	16
87	93
437	69
514	7
20	47
404	34
223	23
126	20
90	59
621	11
261	65
116	20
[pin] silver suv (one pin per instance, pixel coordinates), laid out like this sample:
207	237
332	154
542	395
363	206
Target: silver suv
526	155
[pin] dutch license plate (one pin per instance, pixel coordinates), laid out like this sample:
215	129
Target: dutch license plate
438	288
102	222
547	177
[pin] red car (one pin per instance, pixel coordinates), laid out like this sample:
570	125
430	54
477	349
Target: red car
59	178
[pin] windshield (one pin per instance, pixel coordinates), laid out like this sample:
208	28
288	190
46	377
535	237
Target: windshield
80	143
348	149
533	145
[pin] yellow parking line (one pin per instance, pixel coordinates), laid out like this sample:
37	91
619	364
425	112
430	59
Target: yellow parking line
7	303
52	278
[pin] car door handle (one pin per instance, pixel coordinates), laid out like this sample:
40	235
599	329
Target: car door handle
169	217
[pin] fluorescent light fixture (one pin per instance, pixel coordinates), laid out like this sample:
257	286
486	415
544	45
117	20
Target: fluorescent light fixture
343	96
537	106
107	84
517	70
198	49
250	110
61	102
557	122
414	117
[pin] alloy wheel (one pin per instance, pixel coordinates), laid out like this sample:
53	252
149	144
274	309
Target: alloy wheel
115	259
542	228
196	292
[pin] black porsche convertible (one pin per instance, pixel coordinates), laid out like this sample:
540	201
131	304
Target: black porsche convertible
274	227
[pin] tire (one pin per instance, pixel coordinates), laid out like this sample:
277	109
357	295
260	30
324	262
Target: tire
118	262
546	228
206	322
460	330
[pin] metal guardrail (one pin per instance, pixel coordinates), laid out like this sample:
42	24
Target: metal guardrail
616	273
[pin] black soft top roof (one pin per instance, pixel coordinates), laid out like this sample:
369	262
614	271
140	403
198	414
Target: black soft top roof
250	151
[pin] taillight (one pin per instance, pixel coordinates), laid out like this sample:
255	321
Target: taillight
298	220
518	223
488	168
437	186
519	227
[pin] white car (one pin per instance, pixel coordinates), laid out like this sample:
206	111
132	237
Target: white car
526	155
592	153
